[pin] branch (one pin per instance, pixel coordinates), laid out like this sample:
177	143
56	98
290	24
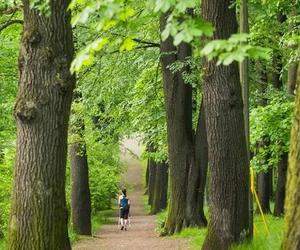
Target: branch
151	44
9	11
9	23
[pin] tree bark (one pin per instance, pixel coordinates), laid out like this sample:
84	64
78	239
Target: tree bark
152	177
277	59
281	183
263	191
178	102
159	196
39	214
81	198
291	239
227	151
277	67
164	191
197	177
147	178
292	77
244	78
264	179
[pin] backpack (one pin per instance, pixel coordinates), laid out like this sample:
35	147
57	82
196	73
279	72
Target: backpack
124	202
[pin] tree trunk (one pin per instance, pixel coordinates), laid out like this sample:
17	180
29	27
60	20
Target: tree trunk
291	239
244	78
263	191
151	185
81	199
159	195
39	214
292	70
197	177
281	183
164	191
264	179
178	102
227	151
277	67
292	77
147	178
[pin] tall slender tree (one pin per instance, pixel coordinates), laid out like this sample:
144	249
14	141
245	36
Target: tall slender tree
227	150
178	102
244	78
39	214
197	176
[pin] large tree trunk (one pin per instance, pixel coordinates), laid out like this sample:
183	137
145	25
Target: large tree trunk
281	183
159	196
197	177
291	239
178	102
263	191
227	151
39	213
81	199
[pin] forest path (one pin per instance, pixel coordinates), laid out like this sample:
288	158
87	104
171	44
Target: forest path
141	234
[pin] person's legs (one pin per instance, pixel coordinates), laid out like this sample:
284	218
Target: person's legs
126	219
122	218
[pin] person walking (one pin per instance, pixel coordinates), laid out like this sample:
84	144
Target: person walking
124	204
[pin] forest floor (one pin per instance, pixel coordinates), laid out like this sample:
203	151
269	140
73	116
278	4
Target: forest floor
141	234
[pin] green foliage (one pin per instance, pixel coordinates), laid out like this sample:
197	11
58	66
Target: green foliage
187	30
43	6
6	163
9	45
103	158
182	25
271	123
104	175
233	49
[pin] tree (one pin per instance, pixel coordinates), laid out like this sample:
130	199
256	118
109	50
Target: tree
39	214
291	239
244	78
281	186
81	198
264	176
227	151
197	176
159	201
178	103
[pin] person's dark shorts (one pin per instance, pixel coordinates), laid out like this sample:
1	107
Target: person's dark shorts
124	213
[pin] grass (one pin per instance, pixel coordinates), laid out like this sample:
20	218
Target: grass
261	240
2	244
98	220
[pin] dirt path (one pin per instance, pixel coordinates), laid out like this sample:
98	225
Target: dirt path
141	234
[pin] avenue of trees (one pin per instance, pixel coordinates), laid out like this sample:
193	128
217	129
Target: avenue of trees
210	86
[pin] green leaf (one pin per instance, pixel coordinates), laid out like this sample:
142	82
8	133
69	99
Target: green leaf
128	44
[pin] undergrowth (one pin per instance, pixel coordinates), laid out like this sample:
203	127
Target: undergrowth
262	240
